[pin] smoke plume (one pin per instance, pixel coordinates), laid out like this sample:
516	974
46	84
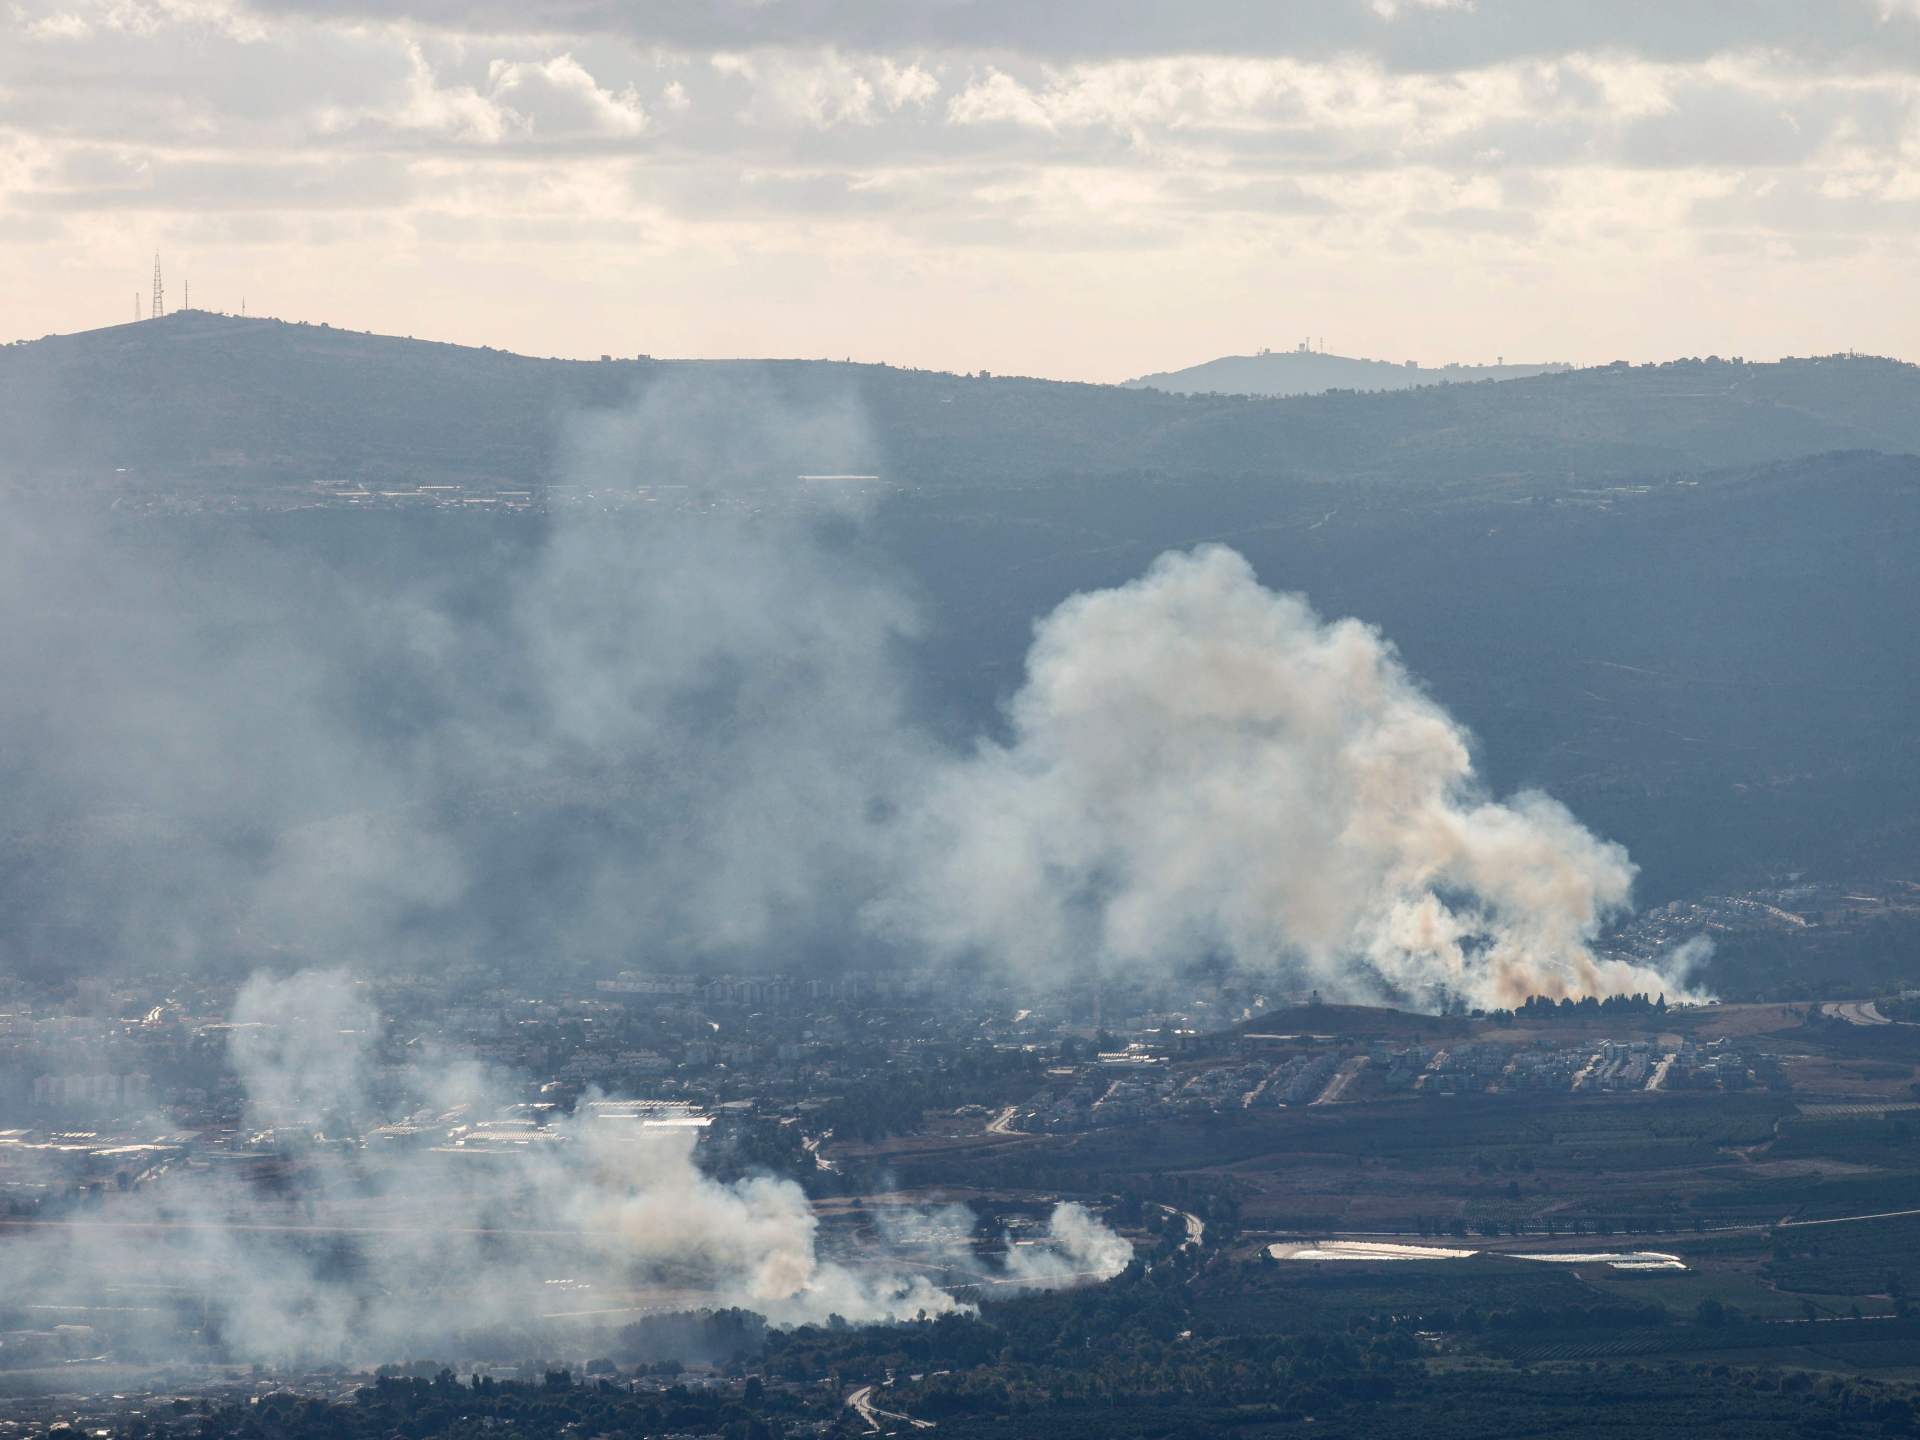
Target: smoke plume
408	1242
656	724
1198	765
676	721
1077	1246
672	723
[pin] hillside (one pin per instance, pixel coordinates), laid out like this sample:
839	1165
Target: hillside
204	400
1678	598
1711	668
1313	372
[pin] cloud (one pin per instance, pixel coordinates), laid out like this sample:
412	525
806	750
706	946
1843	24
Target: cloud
1809	212
823	89
559	96
1408	34
1481	219
97	178
61	25
935	143
547	99
1404	33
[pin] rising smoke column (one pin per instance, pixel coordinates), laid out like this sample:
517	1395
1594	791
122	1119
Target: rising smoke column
1200	765
1077	1245
665	711
675	724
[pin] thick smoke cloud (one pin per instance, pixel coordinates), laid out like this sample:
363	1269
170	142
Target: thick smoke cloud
671	725
392	1248
1077	1246
656	725
1199	765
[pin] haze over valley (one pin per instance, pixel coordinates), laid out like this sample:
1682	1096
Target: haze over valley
673	764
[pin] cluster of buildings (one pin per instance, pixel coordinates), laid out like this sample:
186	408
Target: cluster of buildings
761	991
98	1089
1723	1065
1142	1083
1147	1082
1605	1065
1299	1080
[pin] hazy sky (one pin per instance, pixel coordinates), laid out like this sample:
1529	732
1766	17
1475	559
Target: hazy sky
1079	188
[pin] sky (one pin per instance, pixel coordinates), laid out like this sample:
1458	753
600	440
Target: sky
1084	189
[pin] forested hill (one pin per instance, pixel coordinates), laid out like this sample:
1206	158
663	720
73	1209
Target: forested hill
1312	372
1677	598
198	398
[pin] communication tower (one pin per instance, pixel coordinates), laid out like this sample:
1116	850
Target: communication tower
159	295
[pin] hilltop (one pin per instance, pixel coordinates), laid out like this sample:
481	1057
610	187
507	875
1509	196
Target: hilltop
1313	372
203	400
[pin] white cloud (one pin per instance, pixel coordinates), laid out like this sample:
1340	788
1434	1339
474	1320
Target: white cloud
460	112
1545	134
998	98
824	89
1392	9
149	17
540	99
62	25
558	96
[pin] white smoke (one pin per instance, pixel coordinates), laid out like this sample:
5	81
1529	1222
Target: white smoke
302	1046
1078	1246
675	727
384	1248
1200	765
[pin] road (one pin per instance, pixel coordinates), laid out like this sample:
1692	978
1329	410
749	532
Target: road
1856	1012
813	1144
1196	1227
1342	1078
1850	1219
1001	1124
861	1403
1741	1227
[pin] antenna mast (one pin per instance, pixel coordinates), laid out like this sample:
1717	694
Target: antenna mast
159	295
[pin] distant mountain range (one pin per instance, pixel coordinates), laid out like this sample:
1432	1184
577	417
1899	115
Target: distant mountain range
1313	372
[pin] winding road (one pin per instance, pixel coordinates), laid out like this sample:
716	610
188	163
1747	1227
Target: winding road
861	1403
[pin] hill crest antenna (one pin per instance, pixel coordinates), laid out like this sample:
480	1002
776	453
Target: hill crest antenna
159	295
